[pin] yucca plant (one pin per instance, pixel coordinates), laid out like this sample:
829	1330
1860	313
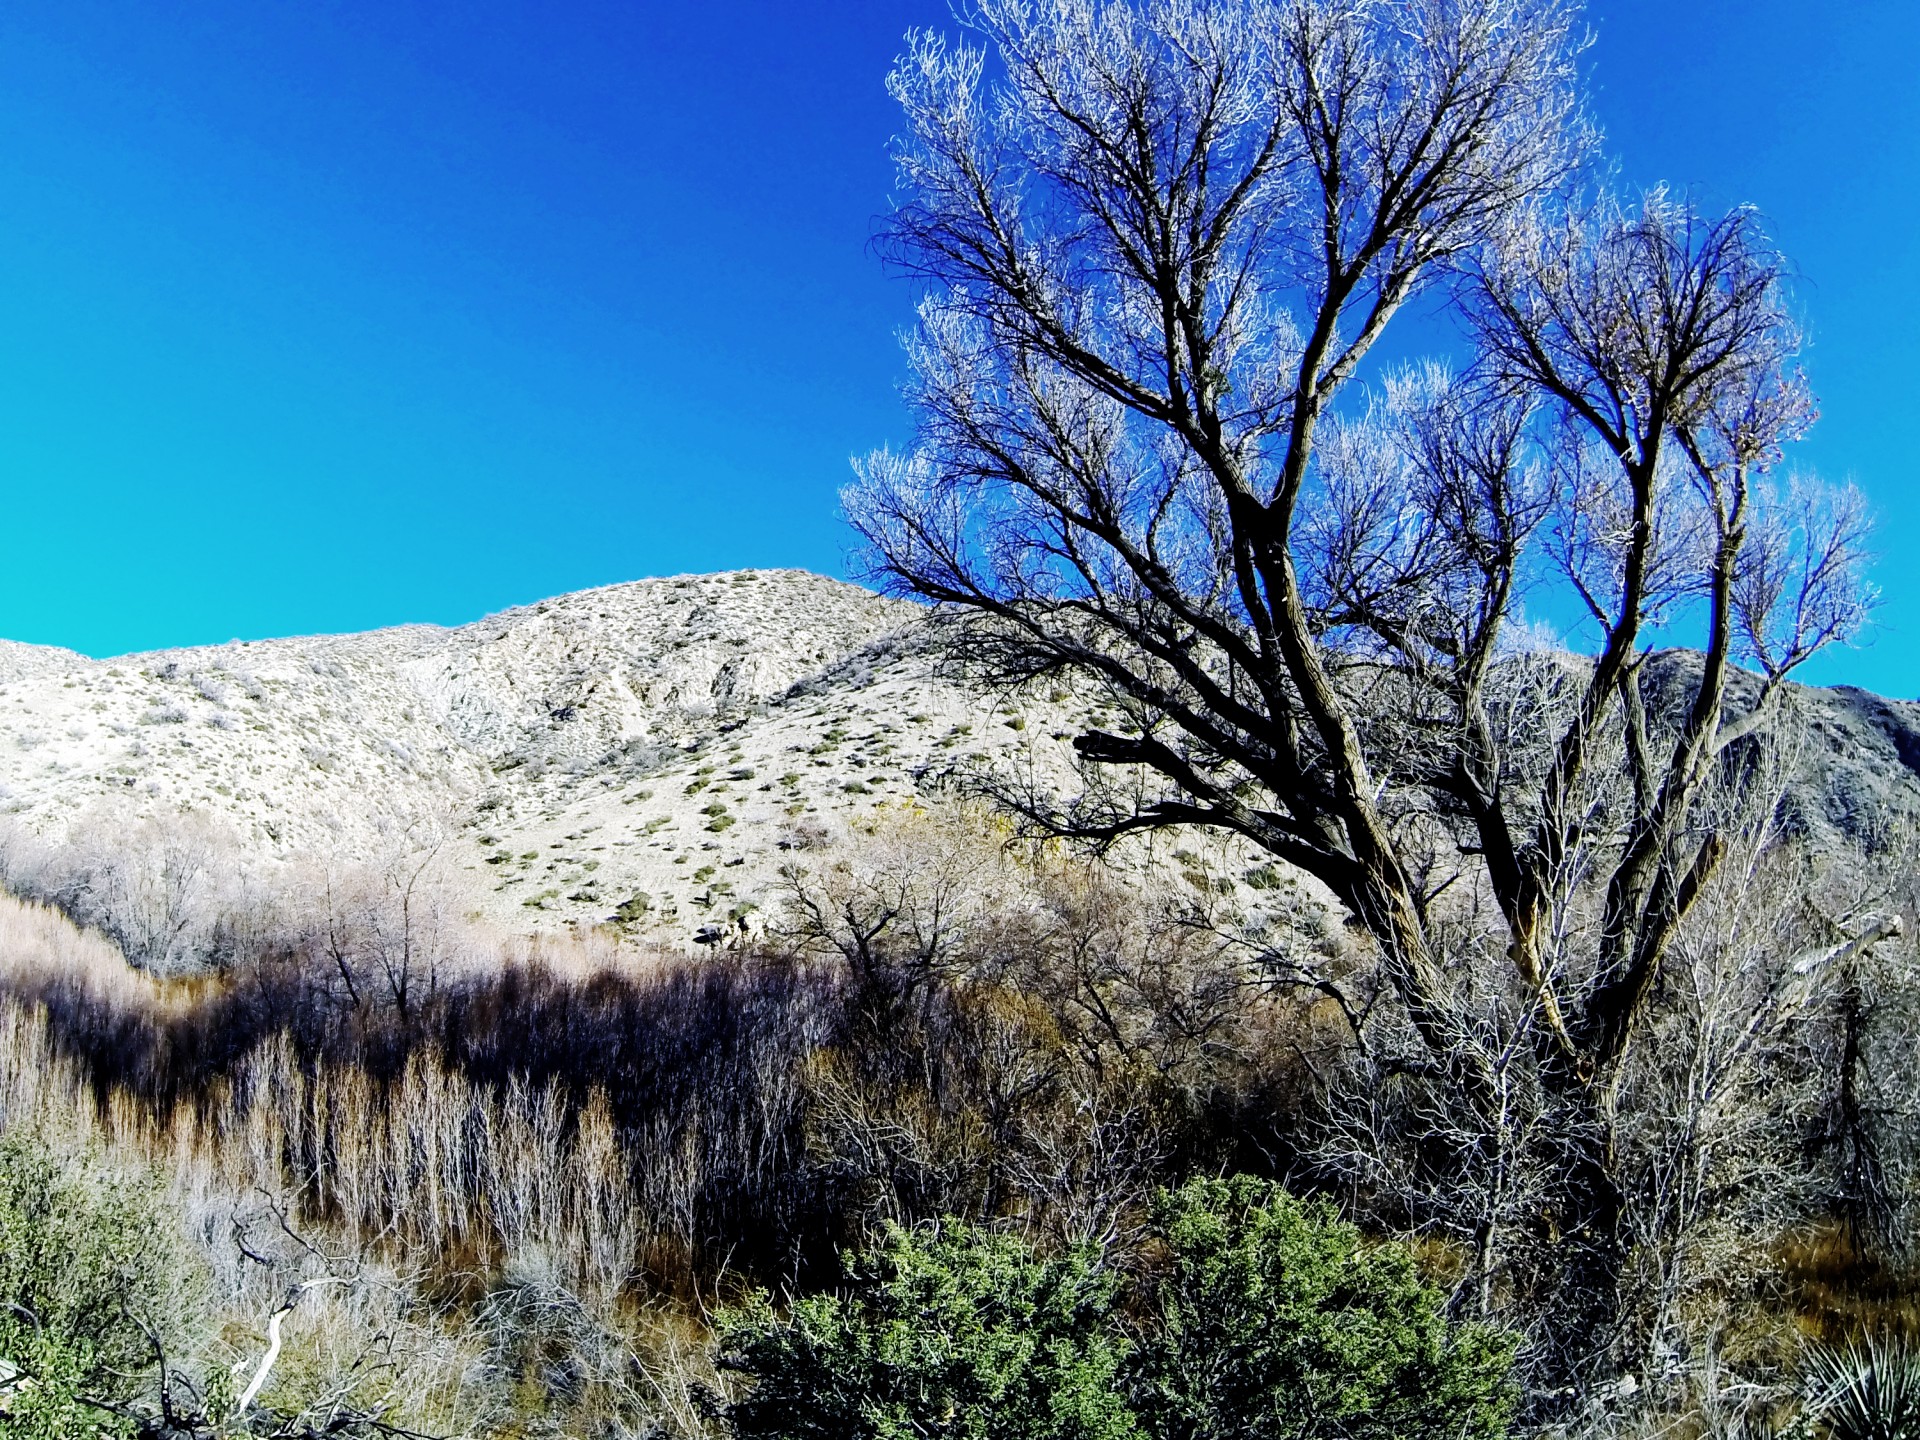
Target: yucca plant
1867	1391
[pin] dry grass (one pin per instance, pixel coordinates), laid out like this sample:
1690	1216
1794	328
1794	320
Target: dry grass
1837	1291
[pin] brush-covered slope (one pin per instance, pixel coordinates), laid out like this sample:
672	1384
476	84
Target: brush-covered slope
644	749
650	752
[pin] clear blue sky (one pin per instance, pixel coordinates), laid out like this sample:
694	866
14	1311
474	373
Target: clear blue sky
334	314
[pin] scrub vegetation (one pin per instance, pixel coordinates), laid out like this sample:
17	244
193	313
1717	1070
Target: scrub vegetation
1222	972
549	1187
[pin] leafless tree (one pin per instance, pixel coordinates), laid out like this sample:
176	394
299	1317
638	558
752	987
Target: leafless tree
385	924
1159	241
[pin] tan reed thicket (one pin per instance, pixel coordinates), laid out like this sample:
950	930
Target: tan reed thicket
484	1235
433	1164
1005	1042
541	1162
504	1147
547	1162
430	1161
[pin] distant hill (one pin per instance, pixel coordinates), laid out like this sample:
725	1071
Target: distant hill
649	750
655	740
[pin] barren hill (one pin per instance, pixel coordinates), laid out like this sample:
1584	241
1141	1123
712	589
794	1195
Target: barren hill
639	749
648	751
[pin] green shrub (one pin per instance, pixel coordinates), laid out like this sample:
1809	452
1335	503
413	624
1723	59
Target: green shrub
1276	1318
1271	1317
93	1278
951	1332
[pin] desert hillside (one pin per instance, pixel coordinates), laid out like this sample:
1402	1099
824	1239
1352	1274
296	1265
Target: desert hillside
642	750
648	752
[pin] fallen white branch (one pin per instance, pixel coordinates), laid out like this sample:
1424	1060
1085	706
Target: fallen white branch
273	1342
1886	928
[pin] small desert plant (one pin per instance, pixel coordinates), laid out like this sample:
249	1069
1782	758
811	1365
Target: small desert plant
1865	1391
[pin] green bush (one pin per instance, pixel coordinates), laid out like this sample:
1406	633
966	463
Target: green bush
93	1280
1278	1319
952	1332
1270	1317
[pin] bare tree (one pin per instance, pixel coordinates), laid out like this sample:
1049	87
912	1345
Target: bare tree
1159	240
385	924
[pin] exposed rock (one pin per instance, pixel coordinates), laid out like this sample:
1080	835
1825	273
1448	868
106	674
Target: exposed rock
1856	766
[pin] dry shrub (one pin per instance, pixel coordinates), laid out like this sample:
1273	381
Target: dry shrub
1770	1102
1029	1035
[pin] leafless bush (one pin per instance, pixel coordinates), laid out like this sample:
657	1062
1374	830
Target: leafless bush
179	893
1027	1034
157	888
1767	1104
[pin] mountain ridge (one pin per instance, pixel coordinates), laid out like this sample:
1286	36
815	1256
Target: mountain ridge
581	756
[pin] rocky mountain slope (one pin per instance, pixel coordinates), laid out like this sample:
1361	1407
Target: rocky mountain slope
642	750
649	752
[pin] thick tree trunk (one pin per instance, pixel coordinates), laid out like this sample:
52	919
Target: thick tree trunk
1581	1243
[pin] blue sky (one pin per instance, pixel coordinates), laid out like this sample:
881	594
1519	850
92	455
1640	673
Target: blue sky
328	315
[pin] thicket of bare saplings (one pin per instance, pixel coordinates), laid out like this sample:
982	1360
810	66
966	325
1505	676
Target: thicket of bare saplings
572	1146
945	1029
939	1028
